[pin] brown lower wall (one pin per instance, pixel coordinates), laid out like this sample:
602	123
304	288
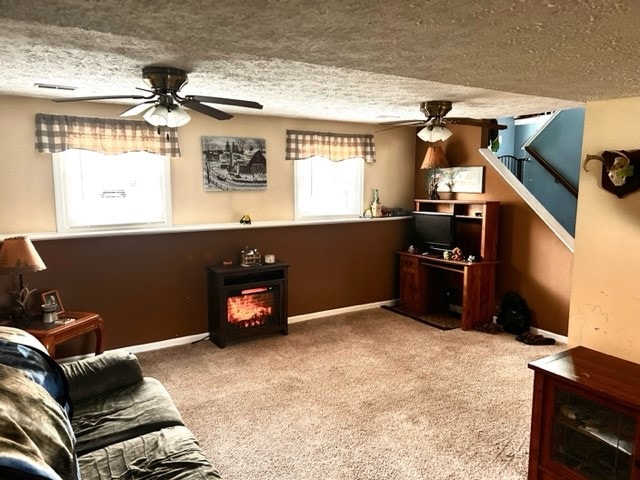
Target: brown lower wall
150	288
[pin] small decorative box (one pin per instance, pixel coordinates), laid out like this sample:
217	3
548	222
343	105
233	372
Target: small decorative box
250	257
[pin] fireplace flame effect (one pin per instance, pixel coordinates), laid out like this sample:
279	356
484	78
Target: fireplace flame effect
250	310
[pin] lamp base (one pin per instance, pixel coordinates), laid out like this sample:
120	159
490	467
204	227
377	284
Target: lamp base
17	312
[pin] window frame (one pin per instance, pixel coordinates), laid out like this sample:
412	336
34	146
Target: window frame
61	197
358	183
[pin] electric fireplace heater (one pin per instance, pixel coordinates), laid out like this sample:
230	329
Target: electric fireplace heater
246	301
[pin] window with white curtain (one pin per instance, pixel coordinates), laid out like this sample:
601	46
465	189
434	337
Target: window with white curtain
98	191
328	189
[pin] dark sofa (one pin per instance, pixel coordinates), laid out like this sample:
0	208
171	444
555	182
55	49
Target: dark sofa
94	418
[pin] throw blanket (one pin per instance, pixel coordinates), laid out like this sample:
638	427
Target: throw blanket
36	439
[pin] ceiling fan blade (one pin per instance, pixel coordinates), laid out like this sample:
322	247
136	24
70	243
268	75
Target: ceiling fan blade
102	97
137	109
474	122
224	101
206	109
401	123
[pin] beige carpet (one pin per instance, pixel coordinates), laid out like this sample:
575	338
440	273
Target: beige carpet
366	395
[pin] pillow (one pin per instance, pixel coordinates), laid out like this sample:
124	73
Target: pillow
96	375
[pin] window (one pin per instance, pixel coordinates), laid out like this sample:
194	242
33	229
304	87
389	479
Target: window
327	189
99	191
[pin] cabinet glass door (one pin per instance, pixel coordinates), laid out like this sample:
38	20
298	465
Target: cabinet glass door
595	441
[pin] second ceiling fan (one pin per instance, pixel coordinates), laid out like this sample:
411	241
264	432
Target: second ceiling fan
434	125
162	106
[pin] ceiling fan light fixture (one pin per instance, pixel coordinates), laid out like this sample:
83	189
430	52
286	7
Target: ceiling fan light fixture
434	133
177	117
157	116
161	116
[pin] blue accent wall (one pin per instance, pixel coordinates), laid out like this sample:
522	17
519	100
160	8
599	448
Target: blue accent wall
560	144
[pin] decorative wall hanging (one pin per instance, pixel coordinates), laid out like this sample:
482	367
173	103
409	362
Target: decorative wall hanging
234	163
620	170
457	179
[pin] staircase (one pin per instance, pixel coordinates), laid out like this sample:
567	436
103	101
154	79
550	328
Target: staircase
540	158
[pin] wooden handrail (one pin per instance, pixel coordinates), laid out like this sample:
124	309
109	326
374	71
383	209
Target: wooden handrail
554	173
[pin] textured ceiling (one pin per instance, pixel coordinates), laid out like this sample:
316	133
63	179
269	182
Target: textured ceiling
354	60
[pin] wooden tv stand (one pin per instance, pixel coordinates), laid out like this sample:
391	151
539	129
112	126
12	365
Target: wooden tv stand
423	279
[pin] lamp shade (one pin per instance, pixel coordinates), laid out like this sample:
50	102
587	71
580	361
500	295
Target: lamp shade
177	117
434	158
18	256
157	116
161	116
434	133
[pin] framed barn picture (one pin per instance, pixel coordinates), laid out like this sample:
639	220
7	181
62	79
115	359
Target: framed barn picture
234	163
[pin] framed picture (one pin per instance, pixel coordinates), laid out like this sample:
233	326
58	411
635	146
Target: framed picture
457	179
234	163
53	297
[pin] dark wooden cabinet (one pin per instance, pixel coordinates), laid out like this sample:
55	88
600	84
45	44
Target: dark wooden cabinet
426	283
412	284
585	414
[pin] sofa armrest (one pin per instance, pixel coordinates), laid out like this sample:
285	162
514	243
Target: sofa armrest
96	375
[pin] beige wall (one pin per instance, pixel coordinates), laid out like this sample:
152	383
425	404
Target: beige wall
605	301
26	180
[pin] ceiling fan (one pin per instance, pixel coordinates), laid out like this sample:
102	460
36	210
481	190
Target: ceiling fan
434	125
163	105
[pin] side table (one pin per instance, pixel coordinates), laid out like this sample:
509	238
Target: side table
51	334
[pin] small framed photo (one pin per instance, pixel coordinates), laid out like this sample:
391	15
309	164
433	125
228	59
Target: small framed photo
52	297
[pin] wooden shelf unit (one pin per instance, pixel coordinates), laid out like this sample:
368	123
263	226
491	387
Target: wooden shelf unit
425	279
476	224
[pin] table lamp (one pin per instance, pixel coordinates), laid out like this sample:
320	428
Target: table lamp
434	159
19	256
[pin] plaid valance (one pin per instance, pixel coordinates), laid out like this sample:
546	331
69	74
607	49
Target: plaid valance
57	133
334	146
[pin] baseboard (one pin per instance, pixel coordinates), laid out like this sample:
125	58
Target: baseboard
175	342
172	342
555	336
338	311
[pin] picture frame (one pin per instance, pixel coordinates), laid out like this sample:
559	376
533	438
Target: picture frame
234	163
458	179
53	296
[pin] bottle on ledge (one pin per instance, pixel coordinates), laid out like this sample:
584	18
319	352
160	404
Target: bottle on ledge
376	206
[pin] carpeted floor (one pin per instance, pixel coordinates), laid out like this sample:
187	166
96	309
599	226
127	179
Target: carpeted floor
361	396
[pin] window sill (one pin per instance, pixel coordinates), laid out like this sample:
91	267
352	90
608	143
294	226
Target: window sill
197	228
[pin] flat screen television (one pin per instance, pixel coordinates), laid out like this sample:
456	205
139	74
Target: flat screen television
433	231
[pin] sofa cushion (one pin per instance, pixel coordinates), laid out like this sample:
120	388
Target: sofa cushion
168	454
96	375
37	440
121	414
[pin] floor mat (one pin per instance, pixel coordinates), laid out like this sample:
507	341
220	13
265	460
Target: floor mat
443	321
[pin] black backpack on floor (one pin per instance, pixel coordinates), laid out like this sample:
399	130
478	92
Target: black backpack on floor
514	315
